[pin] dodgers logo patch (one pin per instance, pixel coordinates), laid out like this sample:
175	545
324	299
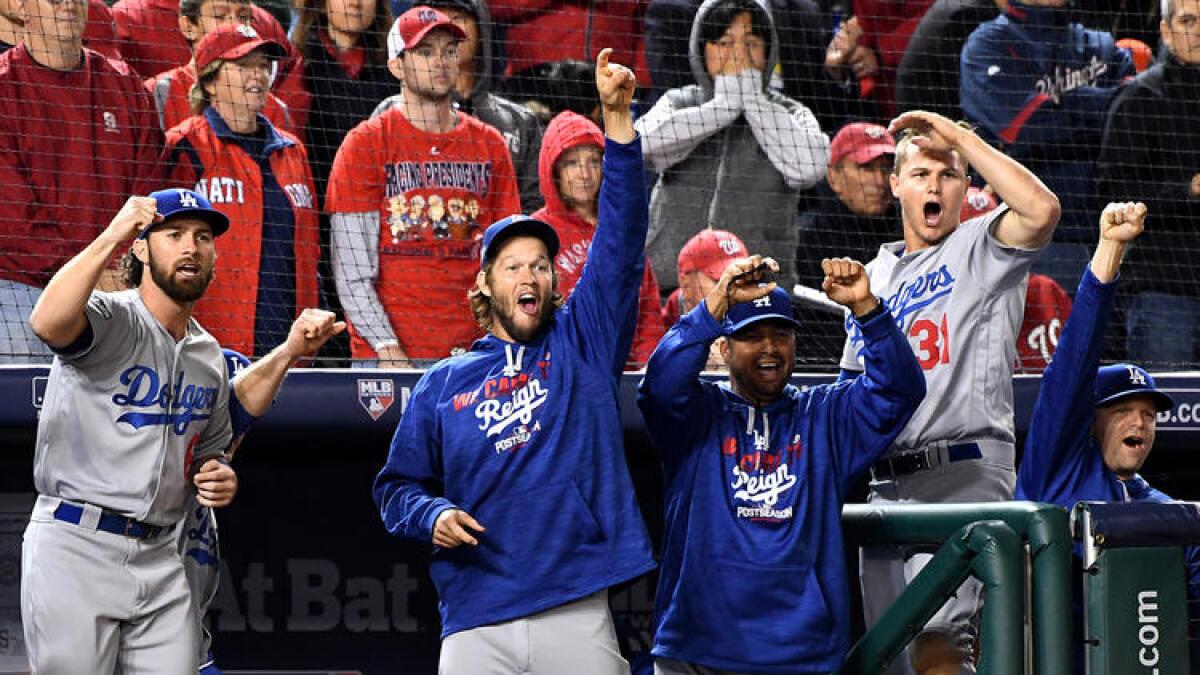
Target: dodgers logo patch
376	396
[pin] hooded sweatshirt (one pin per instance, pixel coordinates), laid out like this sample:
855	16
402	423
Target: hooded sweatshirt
732	154
753	575
517	124
526	437
569	130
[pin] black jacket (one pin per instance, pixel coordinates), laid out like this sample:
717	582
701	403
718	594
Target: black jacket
927	78
338	103
1150	152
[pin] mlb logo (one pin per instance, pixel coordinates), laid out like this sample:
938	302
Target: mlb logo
376	396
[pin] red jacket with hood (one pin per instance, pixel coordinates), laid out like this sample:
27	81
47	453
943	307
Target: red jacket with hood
566	131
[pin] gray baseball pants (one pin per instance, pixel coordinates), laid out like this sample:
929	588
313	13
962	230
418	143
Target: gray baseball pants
97	602
576	638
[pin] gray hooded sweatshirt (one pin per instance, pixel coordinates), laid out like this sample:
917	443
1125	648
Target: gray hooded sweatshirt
732	154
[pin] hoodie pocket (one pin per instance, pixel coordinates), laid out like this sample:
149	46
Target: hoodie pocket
734	607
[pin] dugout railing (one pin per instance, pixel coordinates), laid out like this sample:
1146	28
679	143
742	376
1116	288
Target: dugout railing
1132	581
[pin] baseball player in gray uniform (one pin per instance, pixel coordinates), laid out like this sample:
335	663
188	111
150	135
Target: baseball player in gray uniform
135	421
957	292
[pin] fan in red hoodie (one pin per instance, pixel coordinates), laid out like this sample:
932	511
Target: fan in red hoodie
569	168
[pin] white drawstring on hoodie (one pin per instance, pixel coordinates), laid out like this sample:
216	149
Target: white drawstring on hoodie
512	366
762	442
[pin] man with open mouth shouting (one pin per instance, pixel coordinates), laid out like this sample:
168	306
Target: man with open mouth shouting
957	292
1093	428
753	578
509	458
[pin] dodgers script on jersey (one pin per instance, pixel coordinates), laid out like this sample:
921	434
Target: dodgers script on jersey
960	305
124	419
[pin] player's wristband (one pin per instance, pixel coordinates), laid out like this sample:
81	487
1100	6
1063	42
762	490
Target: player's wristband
880	308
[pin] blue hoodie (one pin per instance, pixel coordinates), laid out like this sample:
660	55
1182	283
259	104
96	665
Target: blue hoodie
1062	463
753	575
526	438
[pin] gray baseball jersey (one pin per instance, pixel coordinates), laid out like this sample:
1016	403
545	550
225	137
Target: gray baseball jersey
125	417
960	303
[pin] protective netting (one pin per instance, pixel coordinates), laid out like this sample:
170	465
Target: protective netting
338	142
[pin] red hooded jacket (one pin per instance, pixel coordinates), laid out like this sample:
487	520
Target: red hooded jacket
566	131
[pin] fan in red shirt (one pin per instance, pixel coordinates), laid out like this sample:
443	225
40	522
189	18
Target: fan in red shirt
151	41
569	168
410	194
198	18
77	132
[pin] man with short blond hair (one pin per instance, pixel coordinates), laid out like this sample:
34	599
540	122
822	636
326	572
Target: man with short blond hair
957	292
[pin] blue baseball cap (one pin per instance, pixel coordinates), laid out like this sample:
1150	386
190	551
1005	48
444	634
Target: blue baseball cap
775	305
179	203
1123	380
516	226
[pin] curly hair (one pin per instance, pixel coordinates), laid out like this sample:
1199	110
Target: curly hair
131	269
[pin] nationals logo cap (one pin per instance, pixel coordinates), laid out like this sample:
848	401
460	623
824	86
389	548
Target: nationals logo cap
232	41
414	25
710	252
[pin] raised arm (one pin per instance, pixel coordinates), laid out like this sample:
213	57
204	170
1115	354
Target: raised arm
58	318
875	406
1061	421
1033	208
256	386
602	310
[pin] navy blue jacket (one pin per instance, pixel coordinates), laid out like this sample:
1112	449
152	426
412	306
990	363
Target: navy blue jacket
1039	87
526	437
753	575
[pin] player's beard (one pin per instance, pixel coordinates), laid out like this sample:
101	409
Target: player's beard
177	290
504	315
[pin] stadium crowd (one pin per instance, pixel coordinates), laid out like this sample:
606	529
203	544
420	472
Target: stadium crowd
373	162
765	120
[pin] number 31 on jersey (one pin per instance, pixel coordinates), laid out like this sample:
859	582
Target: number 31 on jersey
930	342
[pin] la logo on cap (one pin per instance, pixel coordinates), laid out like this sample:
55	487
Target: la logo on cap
187	200
764	301
1136	377
247	31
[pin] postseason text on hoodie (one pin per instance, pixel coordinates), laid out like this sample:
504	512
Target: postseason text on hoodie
753	576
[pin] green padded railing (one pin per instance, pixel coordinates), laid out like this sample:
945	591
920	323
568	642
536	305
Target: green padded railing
1044	526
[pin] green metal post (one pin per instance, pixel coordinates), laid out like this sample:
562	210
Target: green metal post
1044	525
995	553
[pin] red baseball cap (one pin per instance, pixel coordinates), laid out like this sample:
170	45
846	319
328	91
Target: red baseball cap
232	41
861	142
977	202
710	252
414	25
